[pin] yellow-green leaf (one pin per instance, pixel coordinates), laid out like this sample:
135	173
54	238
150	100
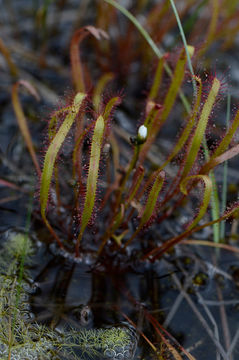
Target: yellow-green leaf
195	144
92	178
206	196
51	154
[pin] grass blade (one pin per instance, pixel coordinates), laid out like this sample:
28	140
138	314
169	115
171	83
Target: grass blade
151	43
225	171
138	26
185	44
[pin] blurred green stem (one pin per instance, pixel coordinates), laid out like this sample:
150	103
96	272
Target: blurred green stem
225	173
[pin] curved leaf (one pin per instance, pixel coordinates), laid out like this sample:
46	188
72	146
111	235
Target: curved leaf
79	35
151	203
22	122
206	196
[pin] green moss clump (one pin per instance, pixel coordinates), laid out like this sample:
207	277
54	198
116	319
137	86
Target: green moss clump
110	343
21	339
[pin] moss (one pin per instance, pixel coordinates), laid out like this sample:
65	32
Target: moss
115	342
30	341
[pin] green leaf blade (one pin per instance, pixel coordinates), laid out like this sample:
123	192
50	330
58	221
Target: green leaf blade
52	152
92	178
201	126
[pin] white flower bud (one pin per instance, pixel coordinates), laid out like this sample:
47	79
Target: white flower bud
142	133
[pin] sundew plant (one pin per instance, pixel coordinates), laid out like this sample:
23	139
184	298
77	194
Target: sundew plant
95	187
137	190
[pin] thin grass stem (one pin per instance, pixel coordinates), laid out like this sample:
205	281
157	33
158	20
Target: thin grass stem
185	46
152	44
225	173
215	209
143	32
